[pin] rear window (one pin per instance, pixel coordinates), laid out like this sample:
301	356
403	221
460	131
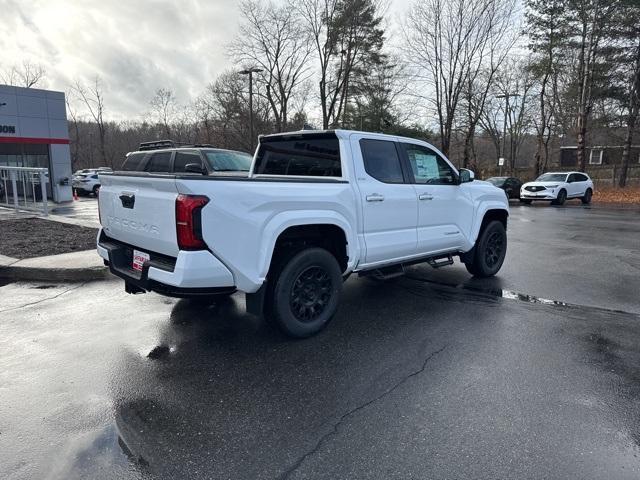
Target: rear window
133	162
299	155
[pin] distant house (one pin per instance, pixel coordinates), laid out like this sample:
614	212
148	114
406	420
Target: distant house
598	155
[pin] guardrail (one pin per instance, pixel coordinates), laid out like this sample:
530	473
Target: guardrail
21	186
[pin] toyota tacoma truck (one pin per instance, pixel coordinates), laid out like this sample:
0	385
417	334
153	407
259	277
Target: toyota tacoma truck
313	208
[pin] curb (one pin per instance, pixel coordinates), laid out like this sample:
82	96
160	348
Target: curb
19	273
79	266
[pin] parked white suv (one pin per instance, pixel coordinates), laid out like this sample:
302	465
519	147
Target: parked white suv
558	187
314	207
87	181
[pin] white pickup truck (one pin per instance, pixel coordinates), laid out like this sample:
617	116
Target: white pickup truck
313	207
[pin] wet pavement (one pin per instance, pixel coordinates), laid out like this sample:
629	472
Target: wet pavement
533	374
85	209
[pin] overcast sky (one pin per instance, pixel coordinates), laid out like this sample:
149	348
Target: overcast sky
135	46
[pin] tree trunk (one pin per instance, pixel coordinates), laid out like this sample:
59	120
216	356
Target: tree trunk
582	149
468	160
543	127
634	106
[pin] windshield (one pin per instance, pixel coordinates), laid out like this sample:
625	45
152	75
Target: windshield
497	181
229	161
552	177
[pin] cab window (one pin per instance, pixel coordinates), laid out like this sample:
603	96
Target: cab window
428	167
381	160
185	158
159	162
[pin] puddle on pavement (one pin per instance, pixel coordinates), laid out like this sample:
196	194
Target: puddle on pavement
91	454
509	294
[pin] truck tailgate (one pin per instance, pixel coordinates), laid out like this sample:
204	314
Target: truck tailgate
140	211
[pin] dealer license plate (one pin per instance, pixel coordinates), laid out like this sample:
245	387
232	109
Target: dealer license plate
138	259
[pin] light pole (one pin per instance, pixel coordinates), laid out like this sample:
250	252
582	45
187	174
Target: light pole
506	97
250	72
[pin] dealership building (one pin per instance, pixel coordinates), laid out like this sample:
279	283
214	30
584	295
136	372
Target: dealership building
34	133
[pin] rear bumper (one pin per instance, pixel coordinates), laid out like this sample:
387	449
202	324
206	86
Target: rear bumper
192	273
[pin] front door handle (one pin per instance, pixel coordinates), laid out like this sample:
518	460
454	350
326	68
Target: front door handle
425	196
375	197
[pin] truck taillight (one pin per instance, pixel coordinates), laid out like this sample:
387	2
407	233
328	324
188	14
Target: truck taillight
189	221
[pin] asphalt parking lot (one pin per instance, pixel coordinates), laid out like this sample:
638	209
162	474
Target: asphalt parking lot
532	374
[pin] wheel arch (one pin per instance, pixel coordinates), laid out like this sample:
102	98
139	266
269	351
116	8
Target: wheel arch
490	213
327	230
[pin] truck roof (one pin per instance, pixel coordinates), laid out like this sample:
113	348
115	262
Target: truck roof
339	132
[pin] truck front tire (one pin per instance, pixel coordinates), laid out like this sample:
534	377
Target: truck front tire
304	291
489	251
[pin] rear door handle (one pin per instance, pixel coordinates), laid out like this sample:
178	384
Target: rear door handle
375	197
425	196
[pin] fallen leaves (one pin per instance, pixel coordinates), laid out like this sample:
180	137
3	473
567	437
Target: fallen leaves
628	195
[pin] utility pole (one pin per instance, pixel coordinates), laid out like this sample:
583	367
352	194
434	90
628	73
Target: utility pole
503	144
250	72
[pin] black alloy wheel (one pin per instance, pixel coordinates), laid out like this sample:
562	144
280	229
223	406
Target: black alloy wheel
488	254
303	291
310	293
587	196
494	249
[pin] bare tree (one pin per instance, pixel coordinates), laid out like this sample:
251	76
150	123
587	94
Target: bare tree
271	38
348	38
507	116
27	74
76	142
223	112
629	35
92	97
164	109
448	43
591	22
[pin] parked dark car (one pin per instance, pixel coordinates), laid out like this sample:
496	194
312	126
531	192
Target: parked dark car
510	185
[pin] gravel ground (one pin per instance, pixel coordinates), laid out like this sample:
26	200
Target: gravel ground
34	237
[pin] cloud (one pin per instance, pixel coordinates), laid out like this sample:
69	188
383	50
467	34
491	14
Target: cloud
134	46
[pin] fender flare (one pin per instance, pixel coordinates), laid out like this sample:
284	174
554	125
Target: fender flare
483	208
292	218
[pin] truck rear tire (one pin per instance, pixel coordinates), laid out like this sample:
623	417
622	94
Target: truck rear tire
304	291
489	252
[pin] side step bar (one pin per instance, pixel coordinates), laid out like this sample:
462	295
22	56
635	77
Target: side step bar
384	273
440	262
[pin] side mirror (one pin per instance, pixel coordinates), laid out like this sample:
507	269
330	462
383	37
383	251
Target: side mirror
466	175
195	168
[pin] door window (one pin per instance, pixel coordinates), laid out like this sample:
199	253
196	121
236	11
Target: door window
133	162
185	158
159	162
428	167
381	160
